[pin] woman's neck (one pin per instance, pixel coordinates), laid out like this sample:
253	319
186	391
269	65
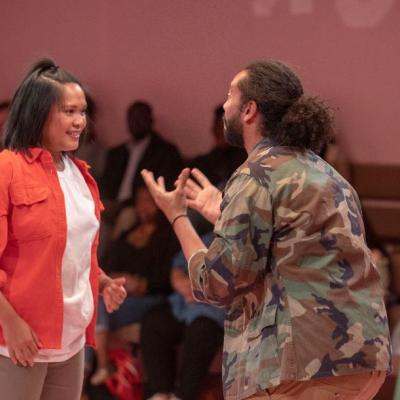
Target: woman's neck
58	161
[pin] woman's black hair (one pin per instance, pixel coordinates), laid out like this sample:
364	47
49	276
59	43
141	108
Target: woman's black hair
289	117
30	107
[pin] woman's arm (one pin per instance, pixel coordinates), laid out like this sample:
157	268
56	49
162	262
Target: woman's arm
21	341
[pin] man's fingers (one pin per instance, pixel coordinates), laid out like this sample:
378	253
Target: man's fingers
200	177
148	178
189	193
161	182
191	184
182	178
192	204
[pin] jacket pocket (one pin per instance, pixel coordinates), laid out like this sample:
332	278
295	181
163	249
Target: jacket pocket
265	320
24	195
30	215
262	363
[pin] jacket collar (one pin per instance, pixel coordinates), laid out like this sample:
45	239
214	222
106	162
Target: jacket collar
33	154
264	142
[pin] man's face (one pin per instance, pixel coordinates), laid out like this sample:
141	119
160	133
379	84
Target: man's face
233	125
139	124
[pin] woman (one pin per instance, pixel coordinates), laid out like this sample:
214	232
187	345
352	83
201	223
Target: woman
49	220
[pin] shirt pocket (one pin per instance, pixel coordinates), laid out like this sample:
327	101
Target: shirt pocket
30	214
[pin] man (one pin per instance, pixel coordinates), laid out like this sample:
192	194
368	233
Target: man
146	149
305	311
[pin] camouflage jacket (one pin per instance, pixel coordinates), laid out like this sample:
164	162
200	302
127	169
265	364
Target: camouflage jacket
290	264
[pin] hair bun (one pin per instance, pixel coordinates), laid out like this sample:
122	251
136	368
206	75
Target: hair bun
42	65
307	123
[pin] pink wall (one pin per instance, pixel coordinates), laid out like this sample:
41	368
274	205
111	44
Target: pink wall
181	55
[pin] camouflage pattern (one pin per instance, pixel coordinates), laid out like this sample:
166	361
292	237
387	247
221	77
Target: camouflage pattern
290	264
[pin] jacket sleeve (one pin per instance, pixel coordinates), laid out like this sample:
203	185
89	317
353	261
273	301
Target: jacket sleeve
238	257
5	179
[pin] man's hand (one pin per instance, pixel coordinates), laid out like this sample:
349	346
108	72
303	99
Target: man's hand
174	205
202	196
114	293
22	342
171	203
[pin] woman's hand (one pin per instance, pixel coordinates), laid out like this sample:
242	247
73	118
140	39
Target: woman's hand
202	196
22	342
114	293
171	203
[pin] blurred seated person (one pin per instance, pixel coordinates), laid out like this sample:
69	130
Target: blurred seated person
142	255
219	164
381	259
4	109
396	358
335	155
91	149
196	327
145	149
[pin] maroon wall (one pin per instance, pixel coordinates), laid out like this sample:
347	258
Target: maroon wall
181	55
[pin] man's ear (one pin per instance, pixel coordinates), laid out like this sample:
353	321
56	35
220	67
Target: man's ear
250	111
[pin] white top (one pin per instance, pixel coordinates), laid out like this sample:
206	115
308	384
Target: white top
82	226
136	151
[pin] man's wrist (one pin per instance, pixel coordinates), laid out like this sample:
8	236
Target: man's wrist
177	217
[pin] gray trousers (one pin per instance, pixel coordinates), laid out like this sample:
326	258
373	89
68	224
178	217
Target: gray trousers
44	381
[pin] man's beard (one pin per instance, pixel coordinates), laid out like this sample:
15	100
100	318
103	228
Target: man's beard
233	131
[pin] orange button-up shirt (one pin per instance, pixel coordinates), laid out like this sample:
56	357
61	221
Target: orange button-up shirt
33	234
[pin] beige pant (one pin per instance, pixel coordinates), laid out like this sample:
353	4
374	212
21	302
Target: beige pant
43	381
351	387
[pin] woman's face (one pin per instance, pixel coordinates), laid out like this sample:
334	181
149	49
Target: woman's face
66	121
145	206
